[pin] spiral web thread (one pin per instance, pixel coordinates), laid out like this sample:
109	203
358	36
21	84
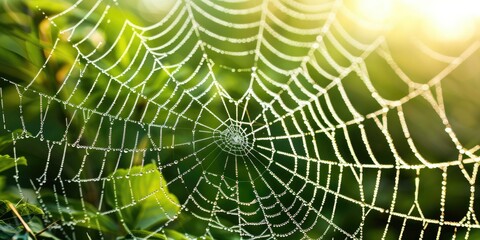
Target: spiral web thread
278	157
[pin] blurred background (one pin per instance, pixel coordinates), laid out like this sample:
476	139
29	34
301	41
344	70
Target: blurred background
383	142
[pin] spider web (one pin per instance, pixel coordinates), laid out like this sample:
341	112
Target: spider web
268	119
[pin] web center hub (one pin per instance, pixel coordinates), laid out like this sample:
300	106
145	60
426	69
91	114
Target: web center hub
234	138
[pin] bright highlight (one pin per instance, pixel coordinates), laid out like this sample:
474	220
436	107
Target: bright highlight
442	19
449	19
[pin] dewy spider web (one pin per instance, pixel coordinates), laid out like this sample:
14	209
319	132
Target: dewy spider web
268	119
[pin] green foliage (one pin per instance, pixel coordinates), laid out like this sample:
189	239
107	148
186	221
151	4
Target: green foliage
7	162
79	209
126	202
23	220
145	189
24	209
6	139
140	195
168	234
14	218
141	186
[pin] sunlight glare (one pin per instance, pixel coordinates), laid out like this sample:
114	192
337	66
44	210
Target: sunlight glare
448	19
376	10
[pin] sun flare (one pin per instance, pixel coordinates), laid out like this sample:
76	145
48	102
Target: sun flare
449	19
442	19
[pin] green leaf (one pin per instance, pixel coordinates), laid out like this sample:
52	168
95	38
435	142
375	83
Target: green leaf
24	209
7	162
7	230
85	213
145	234
22	236
27	209
2	183
37	226
142	196
172	234
11	223
6	139
167	234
